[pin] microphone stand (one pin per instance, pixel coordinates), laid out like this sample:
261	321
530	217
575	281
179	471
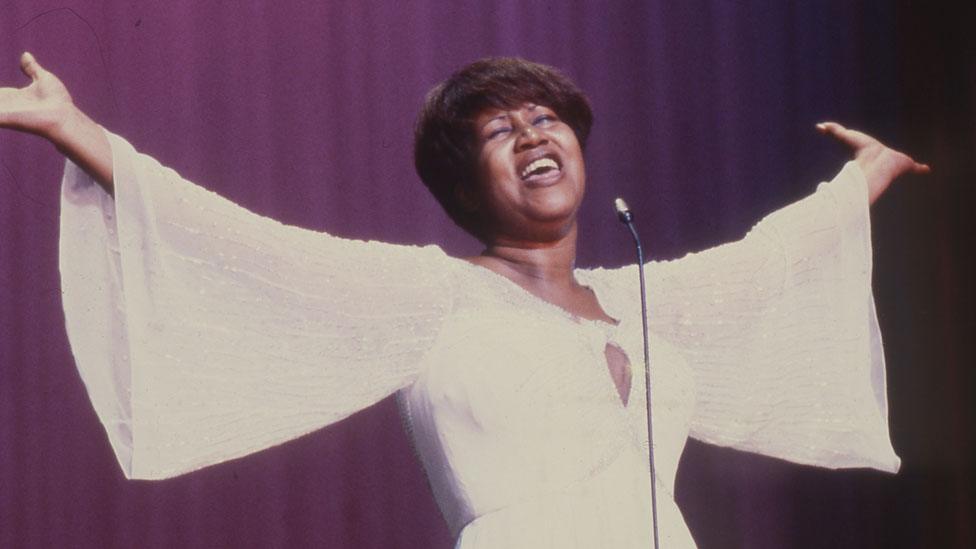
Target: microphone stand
627	218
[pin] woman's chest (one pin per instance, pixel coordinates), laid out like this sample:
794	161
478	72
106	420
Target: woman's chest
510	368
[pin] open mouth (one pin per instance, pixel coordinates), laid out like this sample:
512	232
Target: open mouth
543	167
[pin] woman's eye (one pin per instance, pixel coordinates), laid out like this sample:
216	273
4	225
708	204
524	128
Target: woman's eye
498	131
543	119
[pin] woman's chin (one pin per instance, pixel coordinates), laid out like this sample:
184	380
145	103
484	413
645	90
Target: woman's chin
554	209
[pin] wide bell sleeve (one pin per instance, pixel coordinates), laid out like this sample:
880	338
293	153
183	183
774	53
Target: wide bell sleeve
781	333
204	332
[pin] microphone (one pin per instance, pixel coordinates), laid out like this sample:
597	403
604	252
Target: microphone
627	218
623	212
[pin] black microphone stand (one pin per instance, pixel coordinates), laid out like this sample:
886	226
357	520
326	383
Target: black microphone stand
627	218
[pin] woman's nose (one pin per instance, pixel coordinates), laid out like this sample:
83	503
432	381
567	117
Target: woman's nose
529	136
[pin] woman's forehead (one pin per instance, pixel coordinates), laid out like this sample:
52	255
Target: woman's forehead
490	114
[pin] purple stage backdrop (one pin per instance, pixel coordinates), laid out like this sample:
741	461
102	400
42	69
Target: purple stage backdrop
303	111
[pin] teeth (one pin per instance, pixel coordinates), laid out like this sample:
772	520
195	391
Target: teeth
539	164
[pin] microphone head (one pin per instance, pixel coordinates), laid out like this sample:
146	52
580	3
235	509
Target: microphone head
623	212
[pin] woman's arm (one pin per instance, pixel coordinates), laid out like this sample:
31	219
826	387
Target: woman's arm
780	329
202	331
781	334
45	108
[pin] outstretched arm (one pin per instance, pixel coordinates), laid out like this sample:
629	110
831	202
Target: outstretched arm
880	164
780	328
45	108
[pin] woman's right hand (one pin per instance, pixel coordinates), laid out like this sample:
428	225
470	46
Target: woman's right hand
44	108
41	108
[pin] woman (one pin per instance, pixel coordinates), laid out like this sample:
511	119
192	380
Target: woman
204	332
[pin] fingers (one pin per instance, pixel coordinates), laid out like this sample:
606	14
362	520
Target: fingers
920	168
851	138
30	66
822	126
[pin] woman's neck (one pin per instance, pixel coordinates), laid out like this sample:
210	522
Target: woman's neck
545	270
545	267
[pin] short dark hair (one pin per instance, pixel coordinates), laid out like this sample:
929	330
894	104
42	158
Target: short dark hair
445	139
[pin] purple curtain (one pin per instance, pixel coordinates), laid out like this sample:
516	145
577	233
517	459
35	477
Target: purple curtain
303	111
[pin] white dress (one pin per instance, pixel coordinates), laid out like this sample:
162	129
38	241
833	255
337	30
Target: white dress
204	332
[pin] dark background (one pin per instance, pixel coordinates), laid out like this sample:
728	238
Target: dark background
303	111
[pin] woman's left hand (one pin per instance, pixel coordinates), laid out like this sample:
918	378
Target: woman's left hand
881	165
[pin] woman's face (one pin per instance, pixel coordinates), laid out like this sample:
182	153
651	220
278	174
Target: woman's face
531	174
